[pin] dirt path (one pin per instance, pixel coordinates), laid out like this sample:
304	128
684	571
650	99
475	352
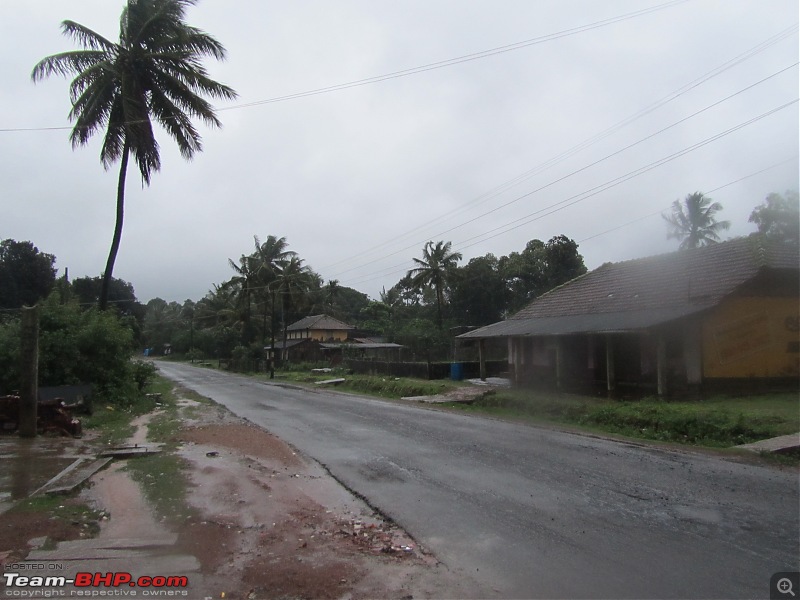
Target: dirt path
262	521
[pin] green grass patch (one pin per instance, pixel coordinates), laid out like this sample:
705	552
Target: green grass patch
62	508
716	422
395	388
384	386
113	423
163	481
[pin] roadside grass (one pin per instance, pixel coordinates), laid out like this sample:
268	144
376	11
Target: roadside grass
112	424
715	422
163	481
162	476
396	387
70	511
719	421
384	386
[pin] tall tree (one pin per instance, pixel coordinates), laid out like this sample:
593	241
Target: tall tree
434	270
152	73
294	282
244	282
694	221
539	268
778	217
270	258
26	275
479	292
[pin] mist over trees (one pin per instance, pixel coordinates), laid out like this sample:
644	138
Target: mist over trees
694	221
778	217
272	287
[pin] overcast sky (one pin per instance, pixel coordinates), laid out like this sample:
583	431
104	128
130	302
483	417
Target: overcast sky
488	153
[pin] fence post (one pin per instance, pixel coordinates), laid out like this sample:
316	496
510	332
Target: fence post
29	371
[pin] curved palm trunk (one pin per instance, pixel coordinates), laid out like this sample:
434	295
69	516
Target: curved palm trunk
112	255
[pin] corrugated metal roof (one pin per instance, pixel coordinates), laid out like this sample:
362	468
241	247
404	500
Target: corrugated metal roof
645	292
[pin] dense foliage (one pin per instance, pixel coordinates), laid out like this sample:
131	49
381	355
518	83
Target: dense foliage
75	346
779	217
26	275
272	287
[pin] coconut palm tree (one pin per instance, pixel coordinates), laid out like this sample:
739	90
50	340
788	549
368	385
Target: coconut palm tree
294	282
152	73
693	222
434	269
270	258
244	282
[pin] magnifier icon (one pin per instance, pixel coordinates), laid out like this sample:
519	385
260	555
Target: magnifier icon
784	586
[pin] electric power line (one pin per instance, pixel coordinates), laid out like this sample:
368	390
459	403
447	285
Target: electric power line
564	177
498	190
421	68
586	194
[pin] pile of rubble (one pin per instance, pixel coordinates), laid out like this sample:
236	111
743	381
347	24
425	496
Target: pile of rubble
53	417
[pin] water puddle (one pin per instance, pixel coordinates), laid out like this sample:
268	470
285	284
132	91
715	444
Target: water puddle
27	464
117	494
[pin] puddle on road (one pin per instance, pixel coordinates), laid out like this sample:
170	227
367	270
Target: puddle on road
116	493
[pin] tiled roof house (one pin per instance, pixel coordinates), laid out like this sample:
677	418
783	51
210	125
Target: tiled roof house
319	327
721	313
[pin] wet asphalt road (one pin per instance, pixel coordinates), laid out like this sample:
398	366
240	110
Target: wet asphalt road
534	513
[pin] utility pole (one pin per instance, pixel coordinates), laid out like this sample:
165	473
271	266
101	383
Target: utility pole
29	371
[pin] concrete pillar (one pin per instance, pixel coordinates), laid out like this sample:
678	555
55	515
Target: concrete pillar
611	379
559	362
661	365
482	358
693	355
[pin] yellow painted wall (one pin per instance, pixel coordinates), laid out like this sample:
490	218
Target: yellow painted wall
752	337
323	335
320	335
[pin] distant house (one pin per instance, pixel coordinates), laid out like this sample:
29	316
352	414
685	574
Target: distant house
320	337
321	328
723	314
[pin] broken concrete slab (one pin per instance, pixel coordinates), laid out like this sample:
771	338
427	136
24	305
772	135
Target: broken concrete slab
783	443
131	451
464	394
336	381
73	476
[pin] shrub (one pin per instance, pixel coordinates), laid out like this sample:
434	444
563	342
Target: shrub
144	373
75	346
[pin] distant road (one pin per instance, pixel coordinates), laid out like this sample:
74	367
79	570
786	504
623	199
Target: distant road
536	513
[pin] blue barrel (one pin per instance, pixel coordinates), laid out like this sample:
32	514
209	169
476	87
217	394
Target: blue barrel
456	371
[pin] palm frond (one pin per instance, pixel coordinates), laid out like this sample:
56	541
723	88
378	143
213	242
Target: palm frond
86	37
66	63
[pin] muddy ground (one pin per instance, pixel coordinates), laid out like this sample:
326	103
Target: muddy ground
261	521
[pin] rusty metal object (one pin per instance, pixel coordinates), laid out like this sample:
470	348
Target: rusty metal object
53	416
